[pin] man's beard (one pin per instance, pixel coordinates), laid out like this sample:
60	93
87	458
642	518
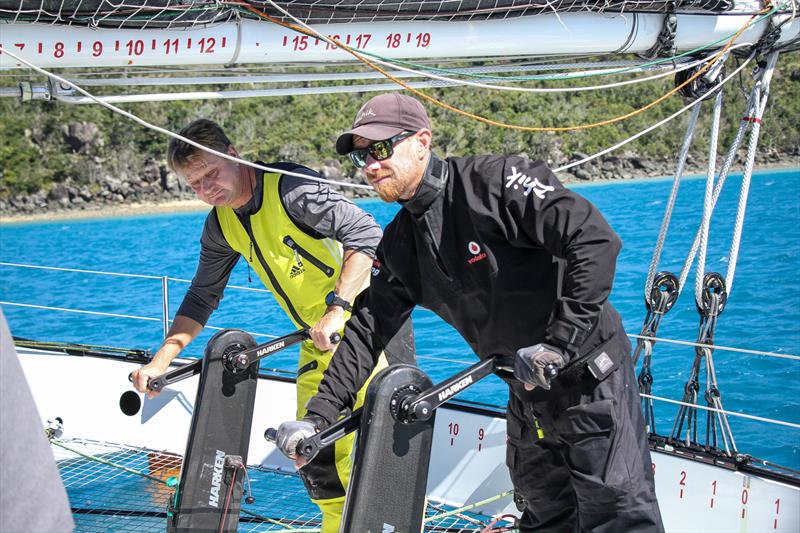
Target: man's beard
390	189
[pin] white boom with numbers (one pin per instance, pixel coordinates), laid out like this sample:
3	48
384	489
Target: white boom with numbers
251	42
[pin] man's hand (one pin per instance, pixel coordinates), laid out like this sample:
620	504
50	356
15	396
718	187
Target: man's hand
331	322
289	436
530	362
141	376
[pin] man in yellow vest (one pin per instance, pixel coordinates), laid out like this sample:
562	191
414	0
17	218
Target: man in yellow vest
310	246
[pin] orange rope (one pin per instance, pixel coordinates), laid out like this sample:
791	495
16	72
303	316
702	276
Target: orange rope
491	122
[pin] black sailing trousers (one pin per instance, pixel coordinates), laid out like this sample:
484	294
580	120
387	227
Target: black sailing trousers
591	469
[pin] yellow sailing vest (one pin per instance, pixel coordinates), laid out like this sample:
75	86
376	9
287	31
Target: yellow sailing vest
298	268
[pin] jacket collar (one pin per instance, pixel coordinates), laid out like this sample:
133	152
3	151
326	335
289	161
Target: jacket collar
254	204
430	187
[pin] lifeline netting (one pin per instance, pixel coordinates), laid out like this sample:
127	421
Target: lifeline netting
123	488
183	14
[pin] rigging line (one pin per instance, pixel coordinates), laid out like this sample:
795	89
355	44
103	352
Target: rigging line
119	274
239	287
717	347
708	203
673	195
401	72
107	463
174	135
32	306
82	271
471	506
760	106
467	83
93	79
723	175
651	128
722	411
631	335
766	12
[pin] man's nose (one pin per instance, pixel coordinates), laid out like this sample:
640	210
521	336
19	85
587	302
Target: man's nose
372	163
206	184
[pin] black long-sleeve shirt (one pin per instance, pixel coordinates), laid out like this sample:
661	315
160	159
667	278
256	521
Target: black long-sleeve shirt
500	250
311	205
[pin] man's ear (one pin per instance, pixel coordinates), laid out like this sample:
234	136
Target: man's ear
424	137
232	151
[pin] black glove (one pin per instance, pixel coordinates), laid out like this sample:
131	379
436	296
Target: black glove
530	363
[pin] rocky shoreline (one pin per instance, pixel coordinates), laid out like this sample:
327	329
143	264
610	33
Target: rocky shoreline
144	189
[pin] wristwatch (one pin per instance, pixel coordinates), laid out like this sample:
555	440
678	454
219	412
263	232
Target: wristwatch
333	299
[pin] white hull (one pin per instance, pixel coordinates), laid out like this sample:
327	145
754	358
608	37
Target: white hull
467	463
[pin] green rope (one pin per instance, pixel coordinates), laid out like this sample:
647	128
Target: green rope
108	463
25	343
470	506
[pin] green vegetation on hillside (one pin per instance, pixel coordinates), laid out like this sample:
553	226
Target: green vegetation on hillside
34	152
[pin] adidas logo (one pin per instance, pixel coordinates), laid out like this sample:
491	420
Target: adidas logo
296	271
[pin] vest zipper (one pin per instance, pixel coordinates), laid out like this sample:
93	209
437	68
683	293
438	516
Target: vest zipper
278	289
297	249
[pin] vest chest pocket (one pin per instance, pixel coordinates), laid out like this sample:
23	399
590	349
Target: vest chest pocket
299	251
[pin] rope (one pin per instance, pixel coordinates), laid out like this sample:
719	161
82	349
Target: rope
107	463
716	347
654	126
673	195
471	506
81	271
115	315
705	223
307	30
732	413
726	167
761	104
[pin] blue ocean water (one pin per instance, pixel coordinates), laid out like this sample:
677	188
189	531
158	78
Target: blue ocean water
763	311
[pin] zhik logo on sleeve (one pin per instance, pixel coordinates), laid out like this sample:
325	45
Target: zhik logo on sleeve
517	179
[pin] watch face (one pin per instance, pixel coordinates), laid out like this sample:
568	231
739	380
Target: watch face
330	297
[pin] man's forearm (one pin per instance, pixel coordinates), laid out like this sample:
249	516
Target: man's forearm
182	332
354	276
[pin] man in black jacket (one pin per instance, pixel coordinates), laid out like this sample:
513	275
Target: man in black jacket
520	266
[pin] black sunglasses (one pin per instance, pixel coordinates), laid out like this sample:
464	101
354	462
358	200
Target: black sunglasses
379	150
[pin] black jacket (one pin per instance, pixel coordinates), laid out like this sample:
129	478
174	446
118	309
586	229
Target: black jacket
500	250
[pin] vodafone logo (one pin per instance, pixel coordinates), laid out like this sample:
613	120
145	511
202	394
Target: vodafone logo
475	249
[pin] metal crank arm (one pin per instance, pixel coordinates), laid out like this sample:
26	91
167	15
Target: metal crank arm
157	383
235	361
416	407
408	406
311	446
